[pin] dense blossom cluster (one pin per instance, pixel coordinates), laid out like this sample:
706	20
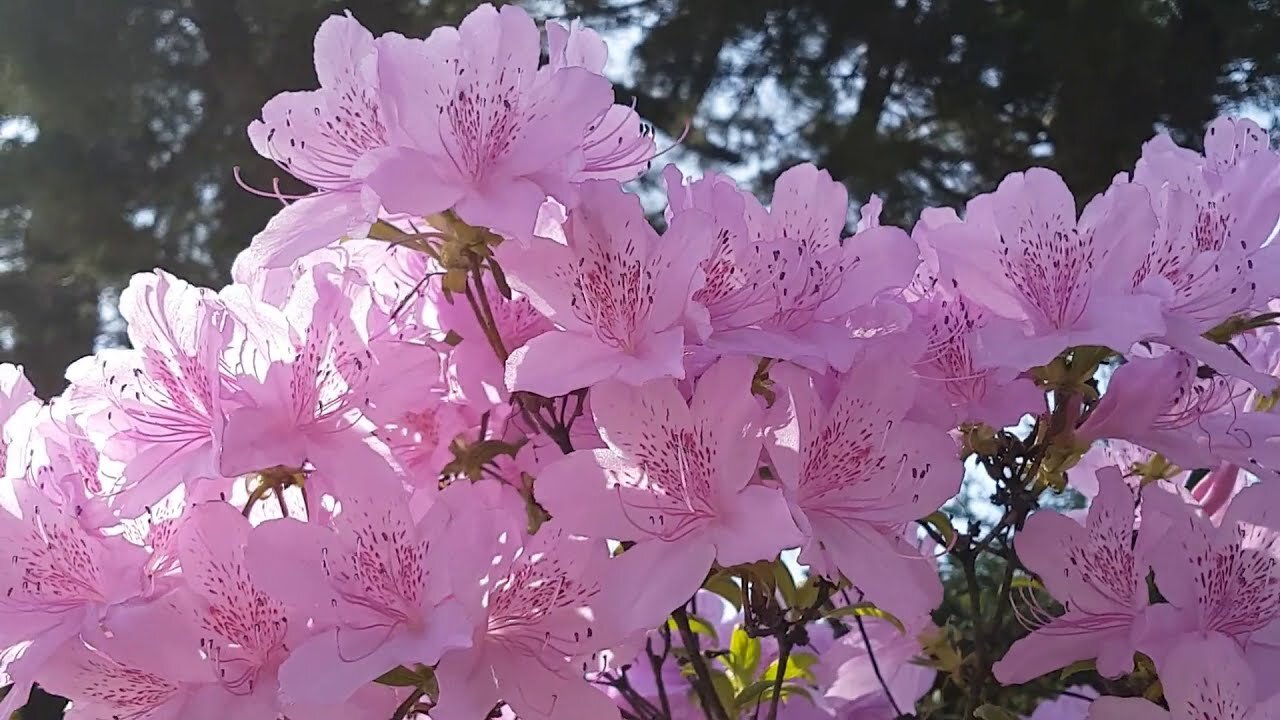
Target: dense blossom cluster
468	437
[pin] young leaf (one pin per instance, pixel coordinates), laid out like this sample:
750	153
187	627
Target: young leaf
699	625
400	676
744	656
991	712
797	667
866	609
722	584
786	583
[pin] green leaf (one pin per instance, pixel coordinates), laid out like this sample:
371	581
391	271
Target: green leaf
423	678
399	677
386	232
1023	581
452	338
786	583
699	625
753	693
940	522
807	593
761	691
725	692
867	609
991	712
797	667
744	656
791	689
1075	668
722	584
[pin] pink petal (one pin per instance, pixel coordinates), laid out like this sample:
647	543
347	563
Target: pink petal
305	225
755	524
1114	708
557	363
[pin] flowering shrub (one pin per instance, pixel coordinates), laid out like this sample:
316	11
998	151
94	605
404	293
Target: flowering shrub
468	437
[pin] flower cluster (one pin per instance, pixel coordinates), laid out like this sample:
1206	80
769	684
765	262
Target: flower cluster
468	437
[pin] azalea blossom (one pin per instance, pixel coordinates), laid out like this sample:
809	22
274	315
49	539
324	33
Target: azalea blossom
1098	573
856	472
1204	677
617	292
1047	276
676	479
480	128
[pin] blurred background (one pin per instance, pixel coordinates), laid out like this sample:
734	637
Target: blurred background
121	121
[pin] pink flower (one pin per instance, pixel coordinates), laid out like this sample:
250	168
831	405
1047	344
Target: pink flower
100	685
966	390
17	399
375	584
1164	405
300	403
1051	281
969	392
243	634
852	689
479	127
537	632
319	136
1214	216
676	480
856	473
162	401
1205	677
1224	578
64	464
618	146
739	291
1066	707
618	292
816	277
58	580
1098	573
474	367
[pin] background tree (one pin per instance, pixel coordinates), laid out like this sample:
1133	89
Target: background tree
124	119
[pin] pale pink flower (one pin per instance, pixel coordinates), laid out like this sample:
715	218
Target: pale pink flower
162	401
319	136
1066	707
618	292
1208	257
374	583
1224	578
739	291
618	145
850	685
676	479
302	406
1164	405
537	631
479	127
856	474
473	365
1204	677
964	388
17	398
58	581
816	277
1049	279
1098	573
